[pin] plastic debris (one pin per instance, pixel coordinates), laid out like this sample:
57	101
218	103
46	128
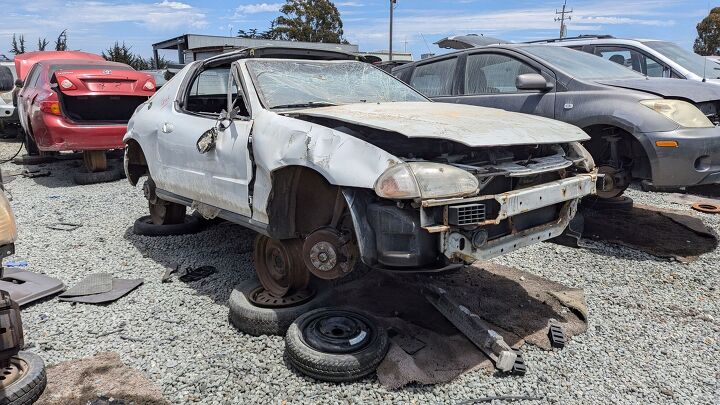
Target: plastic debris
16	263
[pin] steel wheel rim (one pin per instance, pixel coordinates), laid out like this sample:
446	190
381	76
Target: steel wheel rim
338	332
14	371
279	266
95	160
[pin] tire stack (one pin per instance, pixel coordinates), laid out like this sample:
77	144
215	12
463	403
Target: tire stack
327	344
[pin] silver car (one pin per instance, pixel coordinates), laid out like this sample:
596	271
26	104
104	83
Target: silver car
339	165
653	58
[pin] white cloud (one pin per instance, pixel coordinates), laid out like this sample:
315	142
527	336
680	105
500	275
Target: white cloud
258	8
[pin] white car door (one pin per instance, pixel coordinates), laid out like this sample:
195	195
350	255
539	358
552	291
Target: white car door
219	177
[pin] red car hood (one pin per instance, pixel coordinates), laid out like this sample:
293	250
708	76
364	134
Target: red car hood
109	82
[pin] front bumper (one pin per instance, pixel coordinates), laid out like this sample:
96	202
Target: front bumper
460	243
60	134
696	160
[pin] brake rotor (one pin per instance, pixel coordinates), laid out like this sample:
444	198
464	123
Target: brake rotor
707	208
260	297
328	255
279	266
12	372
611	189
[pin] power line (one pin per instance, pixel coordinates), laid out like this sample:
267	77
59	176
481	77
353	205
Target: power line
562	18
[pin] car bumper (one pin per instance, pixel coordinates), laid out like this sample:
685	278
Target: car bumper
63	135
696	160
460	242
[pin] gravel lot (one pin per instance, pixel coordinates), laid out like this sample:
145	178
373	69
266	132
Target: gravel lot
652	338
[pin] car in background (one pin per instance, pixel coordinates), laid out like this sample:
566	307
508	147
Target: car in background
160	76
7	107
339	165
661	131
78	105
650	57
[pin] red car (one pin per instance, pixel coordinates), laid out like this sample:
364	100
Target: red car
78	104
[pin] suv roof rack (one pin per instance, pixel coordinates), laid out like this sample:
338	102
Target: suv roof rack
577	38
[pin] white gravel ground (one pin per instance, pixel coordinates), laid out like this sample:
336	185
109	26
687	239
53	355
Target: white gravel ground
652	338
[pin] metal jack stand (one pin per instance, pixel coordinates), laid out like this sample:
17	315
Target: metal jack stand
472	326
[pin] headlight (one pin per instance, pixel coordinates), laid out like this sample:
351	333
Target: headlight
681	112
425	180
8	228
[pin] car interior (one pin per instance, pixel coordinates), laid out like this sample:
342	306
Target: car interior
208	93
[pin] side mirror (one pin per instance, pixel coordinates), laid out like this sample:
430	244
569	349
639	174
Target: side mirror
206	142
532	81
19	83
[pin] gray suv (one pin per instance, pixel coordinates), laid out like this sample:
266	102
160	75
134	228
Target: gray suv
658	130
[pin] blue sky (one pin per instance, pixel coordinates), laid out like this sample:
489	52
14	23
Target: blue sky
94	25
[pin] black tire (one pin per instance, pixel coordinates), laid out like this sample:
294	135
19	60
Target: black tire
340	366
145	227
257	321
112	174
622	203
30	145
28	388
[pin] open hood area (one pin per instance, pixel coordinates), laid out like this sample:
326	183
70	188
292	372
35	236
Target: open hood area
670	88
469	125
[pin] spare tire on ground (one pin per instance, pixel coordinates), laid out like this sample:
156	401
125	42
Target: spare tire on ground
112	174
256	320
336	345
145	227
23	381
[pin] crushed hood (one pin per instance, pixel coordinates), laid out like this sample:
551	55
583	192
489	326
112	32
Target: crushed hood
469	125
697	92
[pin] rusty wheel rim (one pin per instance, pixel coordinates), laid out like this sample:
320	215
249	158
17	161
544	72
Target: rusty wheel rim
95	160
613	191
260	297
707	208
278	268
12	372
163	213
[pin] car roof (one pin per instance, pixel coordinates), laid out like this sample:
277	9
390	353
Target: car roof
279	53
25	61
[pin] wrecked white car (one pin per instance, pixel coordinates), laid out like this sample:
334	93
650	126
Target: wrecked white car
339	166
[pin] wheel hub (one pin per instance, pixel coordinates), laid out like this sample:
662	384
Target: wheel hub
279	266
328	255
615	181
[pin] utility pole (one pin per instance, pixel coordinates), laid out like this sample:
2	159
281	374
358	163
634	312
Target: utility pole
392	10
562	18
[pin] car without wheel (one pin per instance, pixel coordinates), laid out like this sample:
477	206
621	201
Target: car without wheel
339	166
661	131
78	104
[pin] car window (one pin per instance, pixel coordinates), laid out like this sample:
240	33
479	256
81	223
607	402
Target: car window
207	94
632	59
32	77
6	78
436	78
580	65
489	73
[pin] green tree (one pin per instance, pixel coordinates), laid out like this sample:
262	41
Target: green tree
708	39
123	54
18	44
42	44
61	41
310	21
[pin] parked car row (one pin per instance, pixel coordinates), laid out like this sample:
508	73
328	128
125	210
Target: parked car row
659	130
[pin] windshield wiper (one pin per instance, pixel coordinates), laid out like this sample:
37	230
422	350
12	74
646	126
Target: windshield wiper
309	104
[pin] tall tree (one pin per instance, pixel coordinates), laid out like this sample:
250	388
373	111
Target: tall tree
18	44
708	39
42	44
120	53
61	41
310	21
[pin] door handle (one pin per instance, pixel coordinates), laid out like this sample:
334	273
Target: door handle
167	127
